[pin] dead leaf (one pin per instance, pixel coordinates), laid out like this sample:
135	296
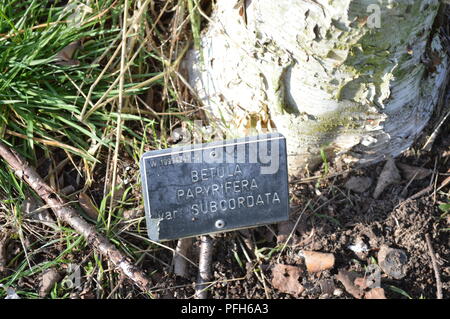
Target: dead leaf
347	279
358	184
64	57
285	278
49	279
388	176
413	172
316	261
87	205
375	293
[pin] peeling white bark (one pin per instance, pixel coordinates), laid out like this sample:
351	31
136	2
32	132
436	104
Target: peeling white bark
180	264
322	74
204	267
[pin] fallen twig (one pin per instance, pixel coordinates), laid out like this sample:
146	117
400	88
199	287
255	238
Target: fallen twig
429	143
417	195
443	184
435	267
204	267
4	238
69	215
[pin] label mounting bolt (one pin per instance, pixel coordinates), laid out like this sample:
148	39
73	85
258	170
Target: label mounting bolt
220	223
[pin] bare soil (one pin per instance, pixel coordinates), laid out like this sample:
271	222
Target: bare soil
338	219
329	218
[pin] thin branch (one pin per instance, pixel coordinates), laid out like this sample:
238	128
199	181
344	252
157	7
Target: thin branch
70	216
435	267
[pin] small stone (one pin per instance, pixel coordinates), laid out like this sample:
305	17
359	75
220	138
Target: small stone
393	261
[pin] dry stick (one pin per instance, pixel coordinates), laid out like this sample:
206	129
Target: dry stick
119	113
204	267
4	238
179	257
47	142
435	267
70	216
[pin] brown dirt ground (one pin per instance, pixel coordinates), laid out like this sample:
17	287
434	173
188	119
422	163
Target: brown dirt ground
342	217
335	219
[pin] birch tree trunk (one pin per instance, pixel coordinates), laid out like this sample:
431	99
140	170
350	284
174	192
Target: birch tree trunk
356	78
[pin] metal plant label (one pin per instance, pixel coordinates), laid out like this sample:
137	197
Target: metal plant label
215	187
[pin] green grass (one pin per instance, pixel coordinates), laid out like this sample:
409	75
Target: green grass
71	120
42	100
400	291
53	113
